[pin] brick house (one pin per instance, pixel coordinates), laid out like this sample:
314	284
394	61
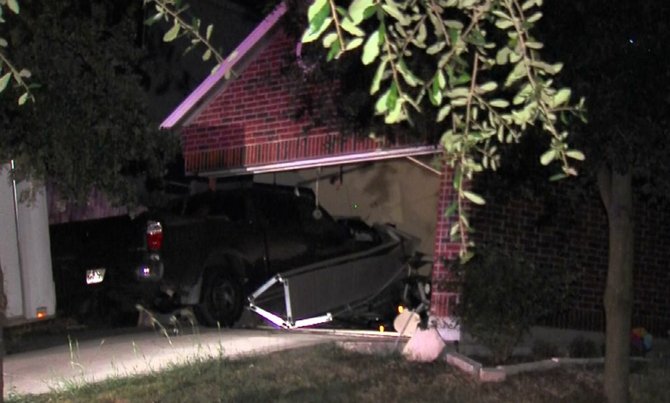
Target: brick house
242	120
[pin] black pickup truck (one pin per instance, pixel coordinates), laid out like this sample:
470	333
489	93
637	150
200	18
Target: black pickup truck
213	250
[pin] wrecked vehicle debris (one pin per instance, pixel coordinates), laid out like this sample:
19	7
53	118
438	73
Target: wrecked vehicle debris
222	250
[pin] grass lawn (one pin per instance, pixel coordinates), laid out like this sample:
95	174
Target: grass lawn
330	374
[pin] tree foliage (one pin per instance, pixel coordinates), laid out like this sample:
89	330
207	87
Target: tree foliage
622	70
9	72
88	127
481	72
621	67
184	25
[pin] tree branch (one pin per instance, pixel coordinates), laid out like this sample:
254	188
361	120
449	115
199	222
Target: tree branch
18	78
340	37
604	180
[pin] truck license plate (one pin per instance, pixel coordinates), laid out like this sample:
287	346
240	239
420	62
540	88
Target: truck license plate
95	276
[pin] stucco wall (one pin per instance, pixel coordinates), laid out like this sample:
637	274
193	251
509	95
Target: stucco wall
396	191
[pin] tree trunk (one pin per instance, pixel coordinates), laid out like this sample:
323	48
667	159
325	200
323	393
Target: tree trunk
616	191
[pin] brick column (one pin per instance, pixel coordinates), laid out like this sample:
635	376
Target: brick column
443	300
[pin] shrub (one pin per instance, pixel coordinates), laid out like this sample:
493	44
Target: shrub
502	295
544	349
581	347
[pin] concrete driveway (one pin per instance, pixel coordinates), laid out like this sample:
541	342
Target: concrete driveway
44	370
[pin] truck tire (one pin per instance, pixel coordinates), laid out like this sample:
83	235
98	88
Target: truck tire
222	299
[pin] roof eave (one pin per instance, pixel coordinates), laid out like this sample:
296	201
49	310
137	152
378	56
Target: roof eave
333	160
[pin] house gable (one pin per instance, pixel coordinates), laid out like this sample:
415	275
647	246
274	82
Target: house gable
255	122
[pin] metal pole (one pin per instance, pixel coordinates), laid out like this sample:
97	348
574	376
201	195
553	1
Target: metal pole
424	165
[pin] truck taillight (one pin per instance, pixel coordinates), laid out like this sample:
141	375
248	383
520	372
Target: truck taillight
154	235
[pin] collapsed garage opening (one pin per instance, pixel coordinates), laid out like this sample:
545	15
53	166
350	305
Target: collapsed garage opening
247	119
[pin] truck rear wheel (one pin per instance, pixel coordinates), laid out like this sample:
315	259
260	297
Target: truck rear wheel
222	299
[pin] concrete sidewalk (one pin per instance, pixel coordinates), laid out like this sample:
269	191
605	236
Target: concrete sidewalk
41	371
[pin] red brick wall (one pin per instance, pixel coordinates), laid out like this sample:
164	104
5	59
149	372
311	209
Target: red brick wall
443	298
569	235
254	121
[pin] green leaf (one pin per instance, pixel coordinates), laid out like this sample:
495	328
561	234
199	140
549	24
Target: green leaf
392	10
476	38
395	114
499	103
316	8
466	257
488	87
501	14
504	24
453	24
421	36
207	55
534	18
379	74
357	10
436	47
453	231
547	157
381	106
474	197
458	177
329	39
458	92
319	20
311	35
334	51
4	80
13	5
393	97
524	116
354	43
151	20
558	177
464	78
528	5
561	97
171	34
371	48
516	73
210	29
23	98
435	94
514	57
444	112
407	74
350	27
450	210
459	101
576	155
441	81
534	45
454	35
502	57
